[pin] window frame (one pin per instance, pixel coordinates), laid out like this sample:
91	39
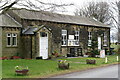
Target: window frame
105	39
64	37
77	35
14	36
11	36
89	38
7	39
75	41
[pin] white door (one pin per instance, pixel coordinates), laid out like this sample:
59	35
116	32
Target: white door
99	43
43	45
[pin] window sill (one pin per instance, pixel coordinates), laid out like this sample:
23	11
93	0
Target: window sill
89	45
69	45
11	46
63	45
104	45
73	45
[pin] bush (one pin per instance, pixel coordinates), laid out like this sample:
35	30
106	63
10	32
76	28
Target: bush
96	52
118	51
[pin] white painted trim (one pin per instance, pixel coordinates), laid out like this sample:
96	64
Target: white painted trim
7	39
12	38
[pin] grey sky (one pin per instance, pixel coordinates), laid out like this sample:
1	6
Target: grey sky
69	9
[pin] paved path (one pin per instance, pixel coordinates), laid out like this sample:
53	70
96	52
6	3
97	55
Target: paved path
104	72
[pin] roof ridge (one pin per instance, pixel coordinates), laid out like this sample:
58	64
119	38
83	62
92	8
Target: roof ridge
56	17
46	12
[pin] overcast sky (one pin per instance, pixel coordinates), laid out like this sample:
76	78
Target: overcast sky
69	9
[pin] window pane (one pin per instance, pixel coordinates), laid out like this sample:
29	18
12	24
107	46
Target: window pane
76	38
89	42
14	41
89	38
77	33
63	42
105	39
43	34
64	32
64	37
8	41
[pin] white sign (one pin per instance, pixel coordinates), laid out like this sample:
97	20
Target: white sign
102	54
71	36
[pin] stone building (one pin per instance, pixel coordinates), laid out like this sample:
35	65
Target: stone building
32	34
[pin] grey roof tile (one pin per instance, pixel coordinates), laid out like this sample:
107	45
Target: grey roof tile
54	17
7	21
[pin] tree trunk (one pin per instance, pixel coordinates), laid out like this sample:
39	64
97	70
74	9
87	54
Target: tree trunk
118	5
119	35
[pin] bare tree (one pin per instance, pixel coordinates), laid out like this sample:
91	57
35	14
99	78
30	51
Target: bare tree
30	4
118	5
116	17
5	4
99	11
103	12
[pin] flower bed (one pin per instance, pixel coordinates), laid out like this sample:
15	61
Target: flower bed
15	57
3	58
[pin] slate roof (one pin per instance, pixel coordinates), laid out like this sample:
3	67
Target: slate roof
54	17
7	21
29	30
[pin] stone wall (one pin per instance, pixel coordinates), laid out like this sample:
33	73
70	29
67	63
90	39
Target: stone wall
56	28
26	46
0	52
31	45
10	51
0	41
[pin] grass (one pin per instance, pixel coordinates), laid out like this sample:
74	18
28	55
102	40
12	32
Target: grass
45	68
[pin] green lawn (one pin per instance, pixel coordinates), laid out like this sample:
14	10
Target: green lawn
43	68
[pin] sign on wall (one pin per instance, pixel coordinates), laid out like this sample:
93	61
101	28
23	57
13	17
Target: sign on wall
71	36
